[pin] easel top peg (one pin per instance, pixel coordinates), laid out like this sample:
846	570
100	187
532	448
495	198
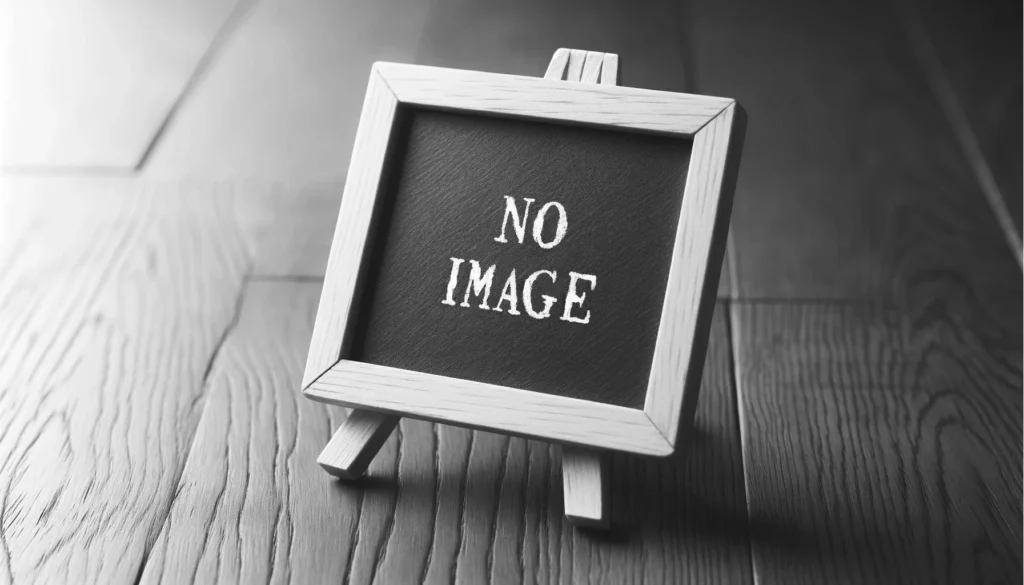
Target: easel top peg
584	67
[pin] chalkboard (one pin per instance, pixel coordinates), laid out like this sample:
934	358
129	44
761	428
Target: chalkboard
451	178
527	256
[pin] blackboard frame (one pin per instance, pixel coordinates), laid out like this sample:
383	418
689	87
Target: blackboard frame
715	126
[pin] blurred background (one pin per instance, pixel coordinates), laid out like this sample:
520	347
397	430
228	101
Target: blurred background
851	106
170	172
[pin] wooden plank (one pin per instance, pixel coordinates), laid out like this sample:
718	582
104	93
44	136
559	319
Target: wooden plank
113	304
439	504
252	503
520	37
971	54
88	84
879	447
282	101
852	184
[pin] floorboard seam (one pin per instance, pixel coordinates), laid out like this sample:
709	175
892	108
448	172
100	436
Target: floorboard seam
734	375
238	14
284	278
733	266
828	301
928	59
66	171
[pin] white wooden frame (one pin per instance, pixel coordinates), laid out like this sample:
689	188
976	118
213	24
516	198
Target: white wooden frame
689	298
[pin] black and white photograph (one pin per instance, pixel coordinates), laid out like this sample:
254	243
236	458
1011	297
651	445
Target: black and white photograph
391	292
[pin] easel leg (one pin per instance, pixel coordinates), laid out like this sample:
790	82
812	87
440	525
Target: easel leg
356	443
585	476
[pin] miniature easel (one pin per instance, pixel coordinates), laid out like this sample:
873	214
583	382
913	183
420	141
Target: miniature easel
585	472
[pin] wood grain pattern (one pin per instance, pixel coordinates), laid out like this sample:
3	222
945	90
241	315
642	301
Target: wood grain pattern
350	235
439	504
252	503
535	97
696	260
113	304
348	453
853	185
879	447
488	406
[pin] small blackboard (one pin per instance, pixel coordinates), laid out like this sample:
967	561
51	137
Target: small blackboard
458	183
527	256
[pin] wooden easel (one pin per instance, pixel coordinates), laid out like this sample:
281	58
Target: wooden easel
585	472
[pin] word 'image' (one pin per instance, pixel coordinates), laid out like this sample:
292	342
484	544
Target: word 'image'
479	282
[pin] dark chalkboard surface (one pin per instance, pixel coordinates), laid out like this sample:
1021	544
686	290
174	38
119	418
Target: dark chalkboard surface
445	197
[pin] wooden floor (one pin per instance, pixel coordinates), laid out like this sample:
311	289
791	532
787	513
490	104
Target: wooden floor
160	264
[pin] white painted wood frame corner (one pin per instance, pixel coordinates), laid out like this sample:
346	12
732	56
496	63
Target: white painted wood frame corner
708	121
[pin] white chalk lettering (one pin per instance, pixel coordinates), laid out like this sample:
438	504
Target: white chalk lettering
518	223
479	281
453	280
574	298
528	295
538	225
478	285
508	293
